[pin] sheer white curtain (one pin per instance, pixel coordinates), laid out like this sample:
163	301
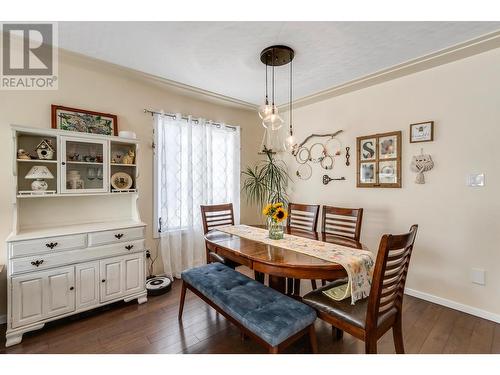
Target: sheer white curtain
196	163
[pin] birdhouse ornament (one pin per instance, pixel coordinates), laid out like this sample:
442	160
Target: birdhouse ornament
420	164
45	150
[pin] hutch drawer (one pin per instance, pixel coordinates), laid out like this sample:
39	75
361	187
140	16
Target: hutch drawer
40	262
47	245
116	235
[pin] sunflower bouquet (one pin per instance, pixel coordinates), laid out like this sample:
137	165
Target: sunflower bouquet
276	214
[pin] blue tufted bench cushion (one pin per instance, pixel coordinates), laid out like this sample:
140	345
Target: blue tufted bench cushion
266	312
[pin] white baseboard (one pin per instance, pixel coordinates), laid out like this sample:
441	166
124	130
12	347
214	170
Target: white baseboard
3	319
454	305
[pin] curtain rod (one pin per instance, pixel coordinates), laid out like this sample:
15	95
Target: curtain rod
173	115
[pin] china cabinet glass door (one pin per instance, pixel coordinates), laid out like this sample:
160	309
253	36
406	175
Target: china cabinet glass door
84	165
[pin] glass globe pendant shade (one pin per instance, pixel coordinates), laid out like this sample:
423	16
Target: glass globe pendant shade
273	120
265	110
290	142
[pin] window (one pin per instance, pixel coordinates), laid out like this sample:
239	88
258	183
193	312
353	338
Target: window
196	162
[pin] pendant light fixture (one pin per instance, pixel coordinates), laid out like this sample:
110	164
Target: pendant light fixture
272	57
290	140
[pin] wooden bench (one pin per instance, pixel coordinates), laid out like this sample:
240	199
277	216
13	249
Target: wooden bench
264	314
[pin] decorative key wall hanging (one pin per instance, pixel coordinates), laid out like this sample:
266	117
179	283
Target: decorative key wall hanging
322	153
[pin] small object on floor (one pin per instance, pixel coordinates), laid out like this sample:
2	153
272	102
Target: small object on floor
158	285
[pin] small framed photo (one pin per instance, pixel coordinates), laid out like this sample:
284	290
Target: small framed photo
388	147
388	172
84	121
368	149
367	173
422	132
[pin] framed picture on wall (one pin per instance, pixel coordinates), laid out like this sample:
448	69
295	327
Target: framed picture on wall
422	132
84	121
388	147
368	149
367	172
379	160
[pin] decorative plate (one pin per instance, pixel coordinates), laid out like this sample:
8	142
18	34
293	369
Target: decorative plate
121	181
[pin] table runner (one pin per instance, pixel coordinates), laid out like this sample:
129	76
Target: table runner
357	263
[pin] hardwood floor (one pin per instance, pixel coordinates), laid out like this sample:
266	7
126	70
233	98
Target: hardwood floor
153	328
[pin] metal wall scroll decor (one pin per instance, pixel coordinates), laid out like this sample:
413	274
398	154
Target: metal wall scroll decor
347	156
322	153
327	179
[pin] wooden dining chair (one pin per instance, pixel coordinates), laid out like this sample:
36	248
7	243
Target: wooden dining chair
370	318
215	216
303	216
343	222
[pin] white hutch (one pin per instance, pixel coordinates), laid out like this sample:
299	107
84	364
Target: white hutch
74	246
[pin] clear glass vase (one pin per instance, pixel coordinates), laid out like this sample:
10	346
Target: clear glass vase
275	230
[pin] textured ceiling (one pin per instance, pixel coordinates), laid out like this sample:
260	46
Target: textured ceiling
223	57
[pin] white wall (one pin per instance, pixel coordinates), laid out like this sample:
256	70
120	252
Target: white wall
459	226
87	84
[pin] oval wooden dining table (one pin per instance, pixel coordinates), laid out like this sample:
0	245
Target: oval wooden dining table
279	263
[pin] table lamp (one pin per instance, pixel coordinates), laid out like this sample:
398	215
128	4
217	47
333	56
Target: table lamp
39	173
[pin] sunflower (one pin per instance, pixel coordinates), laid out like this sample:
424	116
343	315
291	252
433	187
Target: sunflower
278	205
266	209
280	215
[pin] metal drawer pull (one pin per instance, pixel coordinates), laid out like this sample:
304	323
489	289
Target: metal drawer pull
103	280
119	235
129	247
71	288
51	245
37	263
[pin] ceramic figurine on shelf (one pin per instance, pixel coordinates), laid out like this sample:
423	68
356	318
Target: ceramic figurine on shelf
45	150
22	154
129	158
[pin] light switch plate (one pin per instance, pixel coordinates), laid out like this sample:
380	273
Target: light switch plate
477	276
475	180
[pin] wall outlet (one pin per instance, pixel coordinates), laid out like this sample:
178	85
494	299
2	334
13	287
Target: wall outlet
475	180
477	276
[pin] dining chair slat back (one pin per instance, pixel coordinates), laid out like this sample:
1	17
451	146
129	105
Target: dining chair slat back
213	217
303	216
345	222
389	275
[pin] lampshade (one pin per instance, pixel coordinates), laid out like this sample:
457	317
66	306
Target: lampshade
273	121
39	172
290	142
265	110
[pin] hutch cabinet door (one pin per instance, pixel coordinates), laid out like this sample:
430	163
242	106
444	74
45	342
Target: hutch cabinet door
27	305
59	292
133	273
87	285
111	271
84	165
41	295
